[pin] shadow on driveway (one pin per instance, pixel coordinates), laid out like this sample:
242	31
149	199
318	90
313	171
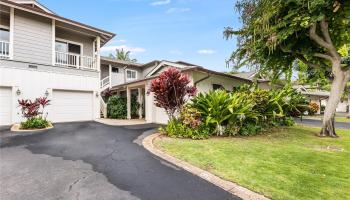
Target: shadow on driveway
111	151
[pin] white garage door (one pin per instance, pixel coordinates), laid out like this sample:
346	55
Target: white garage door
5	106
69	106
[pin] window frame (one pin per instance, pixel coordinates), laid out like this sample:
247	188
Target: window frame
130	70
71	42
117	68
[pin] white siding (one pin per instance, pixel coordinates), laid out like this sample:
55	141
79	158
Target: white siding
207	84
32	38
34	84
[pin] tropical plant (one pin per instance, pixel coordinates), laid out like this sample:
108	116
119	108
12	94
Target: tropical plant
33	112
171	90
313	108
175	128
116	108
135	105
35	123
276	34
121	54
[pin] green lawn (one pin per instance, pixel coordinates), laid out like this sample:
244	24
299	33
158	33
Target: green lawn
290	163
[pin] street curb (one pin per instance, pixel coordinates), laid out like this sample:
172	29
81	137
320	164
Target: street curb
228	186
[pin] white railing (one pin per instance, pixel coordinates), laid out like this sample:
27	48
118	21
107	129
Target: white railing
75	60
103	107
4	50
105	82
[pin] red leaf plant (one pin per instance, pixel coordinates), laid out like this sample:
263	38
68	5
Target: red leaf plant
31	109
171	90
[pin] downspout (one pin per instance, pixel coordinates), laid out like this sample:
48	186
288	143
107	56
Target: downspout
202	79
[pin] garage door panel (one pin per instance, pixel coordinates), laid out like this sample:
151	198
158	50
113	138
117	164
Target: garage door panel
72	106
5	106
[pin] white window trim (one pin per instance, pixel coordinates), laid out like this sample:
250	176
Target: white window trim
130	70
72	42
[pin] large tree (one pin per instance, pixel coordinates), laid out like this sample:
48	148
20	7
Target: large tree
278	33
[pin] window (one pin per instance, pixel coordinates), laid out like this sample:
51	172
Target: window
66	47
4	35
218	87
115	69
131	74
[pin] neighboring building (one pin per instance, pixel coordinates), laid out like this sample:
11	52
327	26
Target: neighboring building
127	78
43	54
321	98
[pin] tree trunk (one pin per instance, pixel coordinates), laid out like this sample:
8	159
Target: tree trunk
338	86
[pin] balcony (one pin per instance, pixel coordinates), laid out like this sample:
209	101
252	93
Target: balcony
75	61
4	50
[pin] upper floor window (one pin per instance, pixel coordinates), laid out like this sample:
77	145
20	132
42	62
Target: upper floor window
4	35
131	74
68	47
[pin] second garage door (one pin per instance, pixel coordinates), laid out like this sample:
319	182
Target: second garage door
5	106
69	106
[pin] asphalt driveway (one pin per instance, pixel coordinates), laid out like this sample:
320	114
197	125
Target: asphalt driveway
89	160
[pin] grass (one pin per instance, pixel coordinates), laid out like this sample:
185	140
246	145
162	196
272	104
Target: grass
337	119
289	163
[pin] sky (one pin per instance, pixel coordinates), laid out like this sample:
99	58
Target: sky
186	30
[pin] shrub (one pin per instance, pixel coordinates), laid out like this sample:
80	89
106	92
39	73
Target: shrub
313	108
116	108
250	129
175	128
134	106
35	123
171	90
33	111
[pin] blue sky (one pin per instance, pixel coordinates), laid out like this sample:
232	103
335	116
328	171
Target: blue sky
188	30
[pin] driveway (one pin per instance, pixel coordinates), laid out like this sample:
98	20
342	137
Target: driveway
318	123
89	160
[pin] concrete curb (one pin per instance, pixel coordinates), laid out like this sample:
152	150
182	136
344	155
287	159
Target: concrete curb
16	128
228	186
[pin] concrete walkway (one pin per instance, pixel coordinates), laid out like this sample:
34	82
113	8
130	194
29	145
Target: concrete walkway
90	160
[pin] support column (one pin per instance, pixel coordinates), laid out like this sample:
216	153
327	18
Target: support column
128	102
98	56
349	104
140	101
110	76
319	104
12	28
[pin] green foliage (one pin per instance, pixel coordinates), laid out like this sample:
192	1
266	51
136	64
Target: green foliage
175	128
116	108
250	129
134	105
35	123
277	33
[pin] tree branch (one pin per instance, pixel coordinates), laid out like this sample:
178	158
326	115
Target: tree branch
325	56
327	41
303	59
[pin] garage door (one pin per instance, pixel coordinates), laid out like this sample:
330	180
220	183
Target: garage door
5	106
69	106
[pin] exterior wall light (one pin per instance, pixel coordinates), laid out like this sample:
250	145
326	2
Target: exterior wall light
97	95
18	92
47	93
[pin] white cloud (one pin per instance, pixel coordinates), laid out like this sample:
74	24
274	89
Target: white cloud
133	50
160	3
177	10
206	51
176	52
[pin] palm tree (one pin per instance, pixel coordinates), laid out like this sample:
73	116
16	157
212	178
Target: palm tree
122	55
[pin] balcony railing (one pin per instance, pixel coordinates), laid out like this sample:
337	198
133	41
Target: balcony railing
4	50
75	60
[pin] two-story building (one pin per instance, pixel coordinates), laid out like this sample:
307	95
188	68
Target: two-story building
43	54
46	55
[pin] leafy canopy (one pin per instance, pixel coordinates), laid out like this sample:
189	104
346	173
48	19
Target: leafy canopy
276	32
